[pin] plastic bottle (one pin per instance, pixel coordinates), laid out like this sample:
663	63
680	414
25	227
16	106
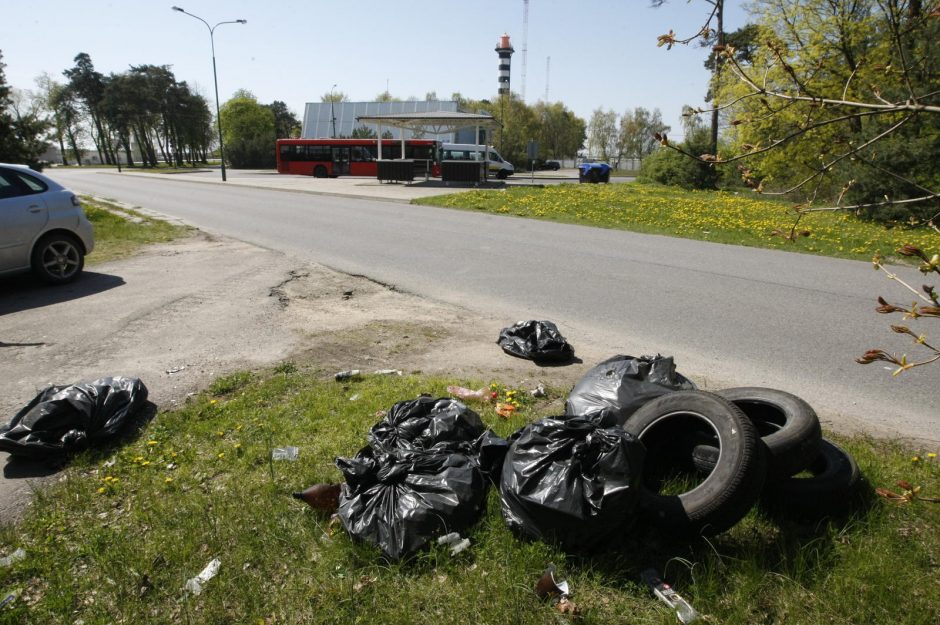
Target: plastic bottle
684	610
345	375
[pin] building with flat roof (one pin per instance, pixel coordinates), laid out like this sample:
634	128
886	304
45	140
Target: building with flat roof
319	123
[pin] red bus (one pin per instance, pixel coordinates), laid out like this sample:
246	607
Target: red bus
352	157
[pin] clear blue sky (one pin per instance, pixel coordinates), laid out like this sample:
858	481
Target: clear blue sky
603	52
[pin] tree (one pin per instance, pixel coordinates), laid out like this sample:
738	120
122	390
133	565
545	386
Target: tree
286	124
248	130
385	96
22	126
60	101
88	86
559	132
707	35
841	105
363	132
335	96
635	138
602	134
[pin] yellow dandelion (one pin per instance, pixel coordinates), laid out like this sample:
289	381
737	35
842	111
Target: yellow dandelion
238	445
101	490
145	463
915	459
168	480
931	455
221	455
220	433
213	401
152	443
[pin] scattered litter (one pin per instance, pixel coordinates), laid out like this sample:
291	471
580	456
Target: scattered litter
285	453
505	410
345	375
556	592
322	497
538	391
364	580
466	393
10	598
173	370
536	340
13	558
64	419
195	584
456	543
347	294
669	596
354	397
387	372
110	463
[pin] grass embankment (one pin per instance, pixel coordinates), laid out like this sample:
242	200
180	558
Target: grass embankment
120	231
723	217
115	540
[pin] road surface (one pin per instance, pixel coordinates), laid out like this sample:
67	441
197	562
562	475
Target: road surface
729	315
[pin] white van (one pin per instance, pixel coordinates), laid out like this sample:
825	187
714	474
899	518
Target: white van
469	152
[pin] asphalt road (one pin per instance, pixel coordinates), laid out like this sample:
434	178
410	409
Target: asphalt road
729	315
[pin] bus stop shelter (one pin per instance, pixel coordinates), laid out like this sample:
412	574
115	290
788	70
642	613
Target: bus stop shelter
431	122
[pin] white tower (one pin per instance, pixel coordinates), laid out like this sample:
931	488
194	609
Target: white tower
504	50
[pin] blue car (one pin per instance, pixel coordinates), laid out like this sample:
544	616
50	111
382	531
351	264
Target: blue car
593	171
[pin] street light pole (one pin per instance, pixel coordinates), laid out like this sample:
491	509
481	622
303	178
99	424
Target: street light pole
332	116
215	77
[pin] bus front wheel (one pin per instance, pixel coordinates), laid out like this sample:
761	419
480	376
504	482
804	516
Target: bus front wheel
319	171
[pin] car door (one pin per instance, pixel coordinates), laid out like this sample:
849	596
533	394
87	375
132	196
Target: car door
23	215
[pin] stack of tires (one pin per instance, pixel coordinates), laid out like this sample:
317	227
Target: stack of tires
712	456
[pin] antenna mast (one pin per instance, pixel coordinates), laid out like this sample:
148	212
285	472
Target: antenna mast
525	43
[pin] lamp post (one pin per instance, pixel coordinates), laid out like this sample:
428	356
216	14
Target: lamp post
332	116
215	78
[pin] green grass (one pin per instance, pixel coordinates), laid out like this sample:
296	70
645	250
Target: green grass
115	540
723	217
116	236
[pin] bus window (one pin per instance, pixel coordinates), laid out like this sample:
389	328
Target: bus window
362	154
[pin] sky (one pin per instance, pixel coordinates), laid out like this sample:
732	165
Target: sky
603	53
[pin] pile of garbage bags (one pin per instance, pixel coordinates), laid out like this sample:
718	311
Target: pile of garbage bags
424	473
633	430
61	420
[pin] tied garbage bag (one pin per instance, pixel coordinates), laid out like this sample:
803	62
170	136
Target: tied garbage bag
63	419
444	424
614	389
571	481
536	340
400	500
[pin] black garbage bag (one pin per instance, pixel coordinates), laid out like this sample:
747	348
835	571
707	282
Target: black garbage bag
571	482
614	389
536	340
65	419
443	424
400	500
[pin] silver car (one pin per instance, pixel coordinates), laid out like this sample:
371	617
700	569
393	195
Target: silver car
42	226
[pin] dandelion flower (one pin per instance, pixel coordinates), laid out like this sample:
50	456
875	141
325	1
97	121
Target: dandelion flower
915	459
101	490
931	455
152	443
221	455
168	480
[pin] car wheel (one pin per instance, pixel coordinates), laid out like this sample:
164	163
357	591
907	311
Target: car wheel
58	258
829	490
788	426
606	177
593	176
319	171
501	174
728	492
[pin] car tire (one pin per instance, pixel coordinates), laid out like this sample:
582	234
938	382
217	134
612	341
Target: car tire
501	174
788	426
829	491
728	492
58	258
605	177
593	176
319	172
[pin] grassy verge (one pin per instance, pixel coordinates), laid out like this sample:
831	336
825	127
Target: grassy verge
120	231
115	540
722	217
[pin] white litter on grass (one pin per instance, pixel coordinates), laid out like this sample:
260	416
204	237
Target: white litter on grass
13	558
285	453
194	585
457	544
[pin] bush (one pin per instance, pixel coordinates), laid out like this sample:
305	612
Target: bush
669	167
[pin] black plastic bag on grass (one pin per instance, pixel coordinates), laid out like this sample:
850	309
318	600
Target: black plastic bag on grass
400	500
65	419
613	390
536	340
443	424
571	482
